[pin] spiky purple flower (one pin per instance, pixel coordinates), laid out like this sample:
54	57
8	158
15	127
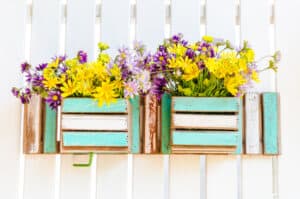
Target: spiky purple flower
158	86
37	80
15	91
54	99
190	53
25	67
82	56
41	67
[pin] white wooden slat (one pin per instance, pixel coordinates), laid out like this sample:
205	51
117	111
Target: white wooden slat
150	27
221	19
12	39
255	15
148	177
288	40
115	23
222	178
257	177
253	123
184	176
186	18
80	27
202	121
112	177
94	122
39	178
80	30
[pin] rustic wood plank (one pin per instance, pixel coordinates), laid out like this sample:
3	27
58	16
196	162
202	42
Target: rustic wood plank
240	149
90	105
203	149
94	122
203	121
165	123
205	104
33	126
253	124
206	138
50	145
134	128
150	133
94	149
270	122
183	11
94	138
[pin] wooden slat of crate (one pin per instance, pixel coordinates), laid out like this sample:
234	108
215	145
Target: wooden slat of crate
270	123
205	138
50	130
89	105
134	125
165	123
94	122
102	150
204	121
94	138
203	149
205	104
253	123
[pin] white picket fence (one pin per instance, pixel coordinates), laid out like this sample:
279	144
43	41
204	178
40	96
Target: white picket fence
35	31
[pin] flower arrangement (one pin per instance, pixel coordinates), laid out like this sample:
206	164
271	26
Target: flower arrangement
104	79
210	67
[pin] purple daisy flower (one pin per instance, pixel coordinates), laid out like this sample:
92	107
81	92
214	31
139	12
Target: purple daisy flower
25	67
82	56
158	86
15	91
54	99
190	53
131	89
37	80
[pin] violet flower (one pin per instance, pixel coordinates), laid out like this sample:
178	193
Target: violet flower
54	99
82	56
25	67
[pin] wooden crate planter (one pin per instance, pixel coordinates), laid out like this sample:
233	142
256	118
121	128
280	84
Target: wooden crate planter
201	125
86	127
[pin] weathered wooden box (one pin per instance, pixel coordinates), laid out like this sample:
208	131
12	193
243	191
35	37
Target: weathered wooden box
86	127
201	125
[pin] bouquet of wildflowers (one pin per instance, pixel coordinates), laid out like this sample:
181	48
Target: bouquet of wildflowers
210	67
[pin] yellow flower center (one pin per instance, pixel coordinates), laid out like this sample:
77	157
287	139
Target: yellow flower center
54	98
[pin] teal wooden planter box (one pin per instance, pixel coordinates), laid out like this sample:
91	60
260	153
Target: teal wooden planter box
86	127
201	125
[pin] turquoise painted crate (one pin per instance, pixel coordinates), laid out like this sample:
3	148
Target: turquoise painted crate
86	127
201	125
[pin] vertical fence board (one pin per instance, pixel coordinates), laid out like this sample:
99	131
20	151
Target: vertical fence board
80	30
148	177
115	23
288	40
257	177
221	170
255	15
222	179
12	19
184	176
112	177
148	171
150	17
115	29
39	171
220	19
185	18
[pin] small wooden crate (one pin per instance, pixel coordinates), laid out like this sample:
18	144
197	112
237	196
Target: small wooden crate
201	125
86	127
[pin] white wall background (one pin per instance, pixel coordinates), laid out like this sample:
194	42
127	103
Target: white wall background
36	30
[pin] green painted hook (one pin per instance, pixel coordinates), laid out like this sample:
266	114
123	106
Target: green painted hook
86	164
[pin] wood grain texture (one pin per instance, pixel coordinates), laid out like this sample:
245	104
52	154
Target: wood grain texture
203	149
89	105
50	145
165	123
253	123
240	149
150	133
33	126
205	138
134	125
205	104
94	149
202	121
92	138
94	122
270	122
